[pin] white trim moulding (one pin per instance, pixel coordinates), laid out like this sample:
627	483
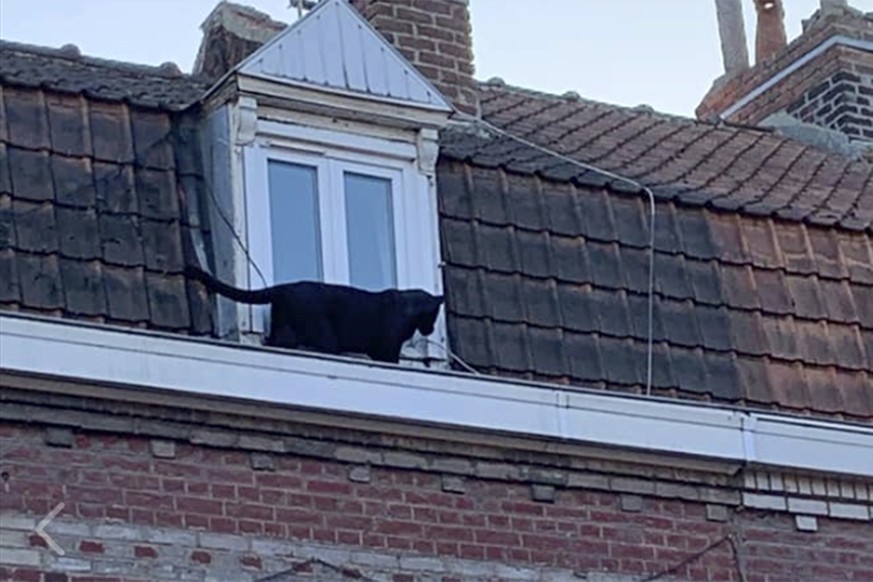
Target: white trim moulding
165	362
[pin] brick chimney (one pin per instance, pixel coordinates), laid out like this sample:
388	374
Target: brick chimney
823	77
232	32
770	34
433	35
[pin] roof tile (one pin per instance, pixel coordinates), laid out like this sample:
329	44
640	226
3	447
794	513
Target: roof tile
541	303
781	337
74	182
78	233
122	241
547	349
5	171
7	223
605	264
571	259
35	226
502	295
111	132
577	308
470	338
825	249
68	126
533	248
512	339
814	342
126	294
721	376
680	323
562	212
26	119
747	335
838	300
671	277
787	385
164	241
31	174
714	327
84	292
619	361
846	341
583	353
689	369
739	287
9	288
610	309
863	300
40	281
168	301
158	198
773	292
795	249
115	189
806	296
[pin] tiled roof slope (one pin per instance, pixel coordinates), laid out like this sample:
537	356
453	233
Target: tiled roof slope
66	71
94	192
724	167
546	270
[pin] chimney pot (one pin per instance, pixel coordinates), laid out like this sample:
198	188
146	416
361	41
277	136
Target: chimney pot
770	36
732	32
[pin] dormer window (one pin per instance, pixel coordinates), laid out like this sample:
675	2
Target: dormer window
319	210
333	167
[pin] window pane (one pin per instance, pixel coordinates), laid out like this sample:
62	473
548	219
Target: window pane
370	228
294	222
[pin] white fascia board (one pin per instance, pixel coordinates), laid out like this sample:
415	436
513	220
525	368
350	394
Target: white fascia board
337	139
164	362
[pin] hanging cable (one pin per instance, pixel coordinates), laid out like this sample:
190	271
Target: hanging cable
588	167
452	355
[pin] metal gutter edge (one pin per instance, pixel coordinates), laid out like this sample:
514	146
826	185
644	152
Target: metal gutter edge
864	45
163	362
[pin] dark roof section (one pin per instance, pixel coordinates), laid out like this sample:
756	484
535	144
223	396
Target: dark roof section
66	71
96	199
723	167
546	263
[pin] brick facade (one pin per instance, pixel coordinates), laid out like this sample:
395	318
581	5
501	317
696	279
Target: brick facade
798	85
842	102
173	499
433	35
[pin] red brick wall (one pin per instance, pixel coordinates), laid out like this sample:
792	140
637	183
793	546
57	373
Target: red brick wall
728	90
134	485
433	35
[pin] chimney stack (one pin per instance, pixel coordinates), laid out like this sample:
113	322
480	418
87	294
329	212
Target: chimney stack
770	35
732	32
232	32
828	5
435	36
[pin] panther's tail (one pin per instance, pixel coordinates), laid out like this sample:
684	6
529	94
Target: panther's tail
259	296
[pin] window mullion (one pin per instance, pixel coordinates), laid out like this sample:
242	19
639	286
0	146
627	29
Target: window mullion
334	222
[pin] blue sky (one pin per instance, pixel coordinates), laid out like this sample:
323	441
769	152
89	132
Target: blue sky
664	53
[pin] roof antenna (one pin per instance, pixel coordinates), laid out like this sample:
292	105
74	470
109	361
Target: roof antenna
302	5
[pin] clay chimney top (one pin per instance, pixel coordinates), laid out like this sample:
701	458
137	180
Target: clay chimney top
770	34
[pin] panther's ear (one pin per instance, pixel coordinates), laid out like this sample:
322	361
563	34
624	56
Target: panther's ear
438	299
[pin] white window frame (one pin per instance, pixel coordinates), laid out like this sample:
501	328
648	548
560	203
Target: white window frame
416	235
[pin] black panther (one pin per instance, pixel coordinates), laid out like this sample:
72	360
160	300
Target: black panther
336	319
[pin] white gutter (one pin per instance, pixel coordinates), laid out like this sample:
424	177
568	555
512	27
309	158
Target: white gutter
855	43
152	361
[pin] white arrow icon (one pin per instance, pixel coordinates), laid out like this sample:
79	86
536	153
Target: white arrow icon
40	529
